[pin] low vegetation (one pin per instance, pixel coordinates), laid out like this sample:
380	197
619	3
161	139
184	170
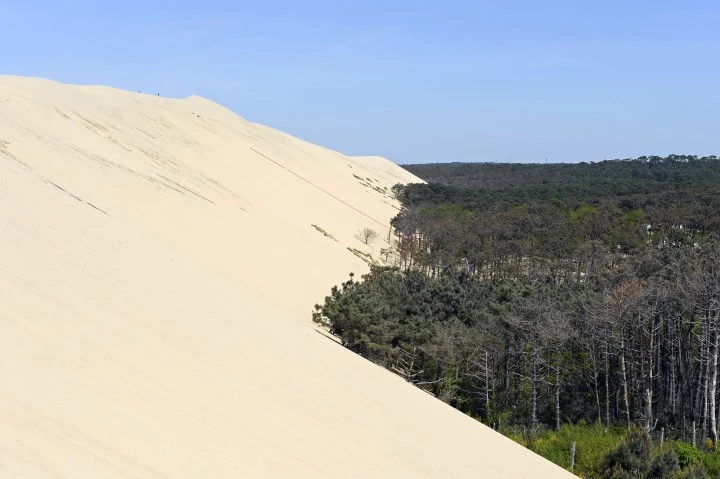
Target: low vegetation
620	452
363	256
325	233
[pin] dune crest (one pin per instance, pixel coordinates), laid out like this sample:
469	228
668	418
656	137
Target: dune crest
159	259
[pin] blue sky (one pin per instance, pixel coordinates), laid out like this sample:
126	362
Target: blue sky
416	81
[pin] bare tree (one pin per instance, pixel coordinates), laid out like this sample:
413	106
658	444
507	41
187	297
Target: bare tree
367	236
622	305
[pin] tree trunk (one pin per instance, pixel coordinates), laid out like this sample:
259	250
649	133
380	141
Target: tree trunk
623	371
649	379
557	392
706	379
487	386
673	366
697	403
607	387
706	399
713	385
507	364
534	384
595	381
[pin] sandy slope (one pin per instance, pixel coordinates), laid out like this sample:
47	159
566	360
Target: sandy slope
157	272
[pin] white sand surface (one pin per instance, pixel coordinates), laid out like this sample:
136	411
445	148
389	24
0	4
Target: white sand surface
158	268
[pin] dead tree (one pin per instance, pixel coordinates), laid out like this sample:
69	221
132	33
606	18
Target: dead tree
367	236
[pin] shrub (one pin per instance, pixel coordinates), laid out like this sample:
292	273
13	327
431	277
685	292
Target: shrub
592	441
664	465
696	471
687	454
630	458
711	463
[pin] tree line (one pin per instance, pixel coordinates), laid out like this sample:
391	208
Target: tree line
636	343
605	177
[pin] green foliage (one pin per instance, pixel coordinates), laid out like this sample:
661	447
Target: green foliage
633	216
618	453
687	454
615	178
593	442
548	210
496	348
580	211
711	463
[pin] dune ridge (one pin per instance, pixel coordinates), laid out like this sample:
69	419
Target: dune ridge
159	259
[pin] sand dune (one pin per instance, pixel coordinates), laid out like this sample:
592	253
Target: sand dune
158	266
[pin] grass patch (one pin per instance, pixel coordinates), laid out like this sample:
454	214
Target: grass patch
593	442
363	256
633	216
582	210
325	233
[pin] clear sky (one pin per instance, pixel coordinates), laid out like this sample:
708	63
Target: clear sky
416	81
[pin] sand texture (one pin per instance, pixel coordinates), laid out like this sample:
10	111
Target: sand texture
158	267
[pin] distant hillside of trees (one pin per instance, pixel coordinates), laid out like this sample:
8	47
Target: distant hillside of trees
622	203
640	175
532	296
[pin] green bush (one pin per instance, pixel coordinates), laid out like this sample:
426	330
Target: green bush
687	453
664	464
696	471
631	458
617	452
711	461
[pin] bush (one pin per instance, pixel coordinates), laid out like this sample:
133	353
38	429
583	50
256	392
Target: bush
687	454
630	458
696	471
618	453
664	465
711	463
592	441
